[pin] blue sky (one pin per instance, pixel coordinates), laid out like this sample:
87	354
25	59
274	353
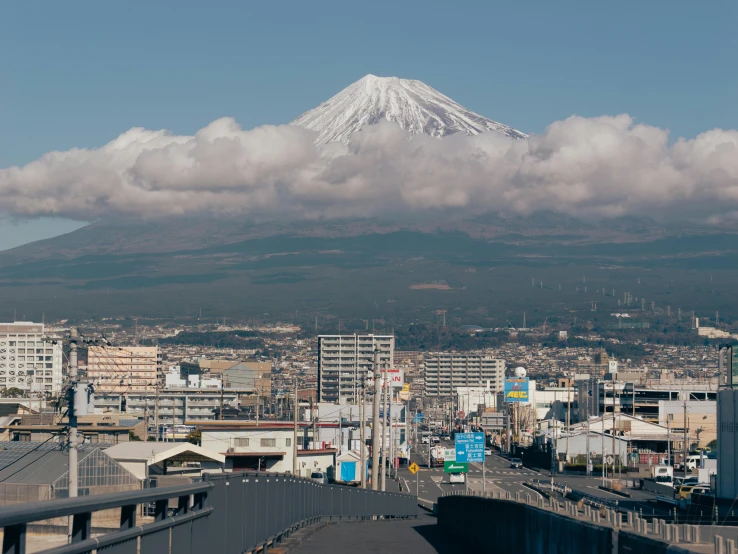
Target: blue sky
78	74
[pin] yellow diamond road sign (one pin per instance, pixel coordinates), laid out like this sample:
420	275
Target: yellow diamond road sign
413	468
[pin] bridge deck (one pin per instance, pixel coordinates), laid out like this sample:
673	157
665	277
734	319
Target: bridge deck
419	536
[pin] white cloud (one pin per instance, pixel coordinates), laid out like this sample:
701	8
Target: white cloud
587	167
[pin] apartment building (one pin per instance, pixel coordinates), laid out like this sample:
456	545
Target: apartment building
444	373
343	363
29	361
124	369
165	408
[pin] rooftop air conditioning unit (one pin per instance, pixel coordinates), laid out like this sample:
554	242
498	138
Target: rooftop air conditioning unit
231	450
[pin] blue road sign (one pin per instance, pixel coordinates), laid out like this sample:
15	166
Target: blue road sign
470	447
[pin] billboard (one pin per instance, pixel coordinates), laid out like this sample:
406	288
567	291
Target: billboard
516	389
394	375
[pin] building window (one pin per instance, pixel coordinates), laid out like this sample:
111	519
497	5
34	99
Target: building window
241	442
288	442
268	442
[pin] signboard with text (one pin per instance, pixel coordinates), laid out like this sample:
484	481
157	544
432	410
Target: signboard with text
470	447
516	389
394	375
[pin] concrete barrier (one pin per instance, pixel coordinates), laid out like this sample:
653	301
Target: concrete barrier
519	528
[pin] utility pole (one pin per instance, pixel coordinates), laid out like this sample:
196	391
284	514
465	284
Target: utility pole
604	406
686	445
294	433
568	417
362	434
222	384
78	405
313	419
385	438
668	441
375	423
589	473
156	413
613	429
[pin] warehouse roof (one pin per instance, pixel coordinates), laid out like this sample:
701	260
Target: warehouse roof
156	452
36	462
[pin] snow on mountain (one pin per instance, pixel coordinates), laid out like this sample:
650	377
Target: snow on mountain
411	104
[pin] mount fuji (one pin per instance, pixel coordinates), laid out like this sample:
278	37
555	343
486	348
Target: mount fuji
413	105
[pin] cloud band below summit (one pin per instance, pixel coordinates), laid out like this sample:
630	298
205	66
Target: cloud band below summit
586	167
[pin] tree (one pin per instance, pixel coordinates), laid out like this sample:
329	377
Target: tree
133	436
195	437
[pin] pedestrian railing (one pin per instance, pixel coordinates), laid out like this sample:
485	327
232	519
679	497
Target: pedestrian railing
225	513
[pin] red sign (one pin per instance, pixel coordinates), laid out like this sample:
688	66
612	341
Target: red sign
461	415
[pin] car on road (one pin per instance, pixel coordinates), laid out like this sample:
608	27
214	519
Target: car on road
454	478
516	463
425	440
487	451
435	440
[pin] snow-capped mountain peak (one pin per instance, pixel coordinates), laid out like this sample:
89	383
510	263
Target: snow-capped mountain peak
411	104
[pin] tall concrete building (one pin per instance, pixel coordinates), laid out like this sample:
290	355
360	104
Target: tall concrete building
28	360
343	362
444	373
124	369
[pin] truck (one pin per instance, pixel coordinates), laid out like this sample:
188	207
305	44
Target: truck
663	474
436	456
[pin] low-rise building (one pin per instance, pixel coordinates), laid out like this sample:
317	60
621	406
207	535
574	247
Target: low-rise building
268	447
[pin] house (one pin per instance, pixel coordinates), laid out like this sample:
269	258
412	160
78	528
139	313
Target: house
267	447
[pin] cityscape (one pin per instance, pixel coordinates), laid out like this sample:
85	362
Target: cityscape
279	279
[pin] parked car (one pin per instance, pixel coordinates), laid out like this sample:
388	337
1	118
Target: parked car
685	491
435	440
516	463
319	477
487	451
689	481
692	463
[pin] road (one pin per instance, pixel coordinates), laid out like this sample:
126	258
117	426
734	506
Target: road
500	477
433	482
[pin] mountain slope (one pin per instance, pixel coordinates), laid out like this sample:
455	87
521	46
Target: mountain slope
413	105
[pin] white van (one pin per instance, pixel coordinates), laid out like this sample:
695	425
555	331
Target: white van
457	478
693	462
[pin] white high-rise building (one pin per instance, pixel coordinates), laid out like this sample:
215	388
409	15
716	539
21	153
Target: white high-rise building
28	360
445	373
343	363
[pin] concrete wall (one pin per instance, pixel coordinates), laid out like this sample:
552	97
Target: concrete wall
519	528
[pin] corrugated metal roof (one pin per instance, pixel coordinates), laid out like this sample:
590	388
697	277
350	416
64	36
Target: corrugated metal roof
35	462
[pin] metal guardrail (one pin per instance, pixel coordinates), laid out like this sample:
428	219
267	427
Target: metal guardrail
225	513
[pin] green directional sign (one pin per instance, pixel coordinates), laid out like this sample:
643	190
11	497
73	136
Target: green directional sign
455	467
